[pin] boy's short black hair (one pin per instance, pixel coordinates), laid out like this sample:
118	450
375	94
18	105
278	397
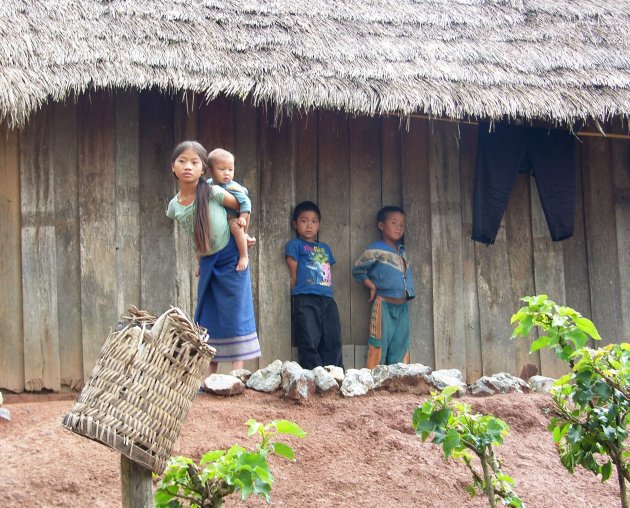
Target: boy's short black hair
382	214
306	206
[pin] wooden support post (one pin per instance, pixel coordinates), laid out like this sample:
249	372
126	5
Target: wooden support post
136	484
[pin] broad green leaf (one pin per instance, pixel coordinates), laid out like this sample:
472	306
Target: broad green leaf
602	389
253	427
211	456
449	391
505	478
283	450
440	417
425	426
564	379
559	432
606	471
451	442
574	433
287	427
539	343
587	326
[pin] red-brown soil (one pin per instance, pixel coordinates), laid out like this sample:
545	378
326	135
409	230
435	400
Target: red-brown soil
358	452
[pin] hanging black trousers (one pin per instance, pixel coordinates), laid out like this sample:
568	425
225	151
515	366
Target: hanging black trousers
547	154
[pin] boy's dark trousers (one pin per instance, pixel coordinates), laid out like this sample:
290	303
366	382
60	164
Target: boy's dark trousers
317	331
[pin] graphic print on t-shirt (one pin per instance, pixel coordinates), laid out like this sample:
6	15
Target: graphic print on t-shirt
318	265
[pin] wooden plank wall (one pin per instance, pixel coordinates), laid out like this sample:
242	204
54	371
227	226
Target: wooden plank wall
11	300
84	234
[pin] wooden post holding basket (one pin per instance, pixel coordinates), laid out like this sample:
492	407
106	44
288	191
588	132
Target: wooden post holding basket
141	389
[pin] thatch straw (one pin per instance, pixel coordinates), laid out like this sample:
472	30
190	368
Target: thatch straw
561	61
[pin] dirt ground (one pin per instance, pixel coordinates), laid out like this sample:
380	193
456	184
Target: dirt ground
358	452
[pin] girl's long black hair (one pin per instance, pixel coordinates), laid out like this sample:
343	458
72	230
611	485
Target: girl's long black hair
201	223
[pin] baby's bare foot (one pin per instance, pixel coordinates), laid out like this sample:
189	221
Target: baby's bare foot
242	265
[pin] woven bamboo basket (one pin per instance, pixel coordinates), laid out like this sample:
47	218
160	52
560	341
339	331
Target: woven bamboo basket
139	393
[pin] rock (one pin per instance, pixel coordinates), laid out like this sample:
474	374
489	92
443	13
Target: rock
449	377
357	382
290	371
301	386
267	379
325	381
400	377
499	383
225	385
336	372
541	384
242	374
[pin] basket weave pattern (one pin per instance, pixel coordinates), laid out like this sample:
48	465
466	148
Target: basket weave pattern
142	386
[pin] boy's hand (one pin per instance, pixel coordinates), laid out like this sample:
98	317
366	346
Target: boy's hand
251	240
241	221
372	287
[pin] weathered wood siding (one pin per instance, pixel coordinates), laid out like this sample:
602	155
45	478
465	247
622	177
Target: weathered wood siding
84	235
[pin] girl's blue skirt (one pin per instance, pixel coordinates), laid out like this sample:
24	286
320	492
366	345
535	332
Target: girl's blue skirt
225	306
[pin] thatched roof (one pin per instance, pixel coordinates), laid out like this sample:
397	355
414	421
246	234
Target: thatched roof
557	60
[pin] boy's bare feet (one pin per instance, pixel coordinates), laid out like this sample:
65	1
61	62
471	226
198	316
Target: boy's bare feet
243	263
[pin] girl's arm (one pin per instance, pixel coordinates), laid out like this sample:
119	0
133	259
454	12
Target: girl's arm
292	264
230	201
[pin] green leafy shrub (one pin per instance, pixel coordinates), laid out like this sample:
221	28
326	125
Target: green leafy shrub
591	403
463	434
222	472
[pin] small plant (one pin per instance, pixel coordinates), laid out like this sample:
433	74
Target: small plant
462	434
222	472
592	408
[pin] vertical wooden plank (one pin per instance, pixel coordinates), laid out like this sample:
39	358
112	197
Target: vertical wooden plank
216	129
276	185
417	204
495	297
601	238
12	343
520	252
446	248
576	281
548	278
247	173
306	159
495	305
39	256
65	160
334	190
157	245
621	180
97	212
470	306
391	161
127	141
365	201
185	258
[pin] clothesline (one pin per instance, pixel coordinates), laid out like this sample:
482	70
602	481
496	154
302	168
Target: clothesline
469	122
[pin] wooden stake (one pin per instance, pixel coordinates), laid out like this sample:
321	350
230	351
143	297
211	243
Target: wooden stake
136	485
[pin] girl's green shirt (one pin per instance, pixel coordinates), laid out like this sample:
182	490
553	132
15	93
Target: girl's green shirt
219	227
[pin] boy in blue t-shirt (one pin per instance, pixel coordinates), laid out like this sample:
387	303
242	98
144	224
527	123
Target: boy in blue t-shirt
315	315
